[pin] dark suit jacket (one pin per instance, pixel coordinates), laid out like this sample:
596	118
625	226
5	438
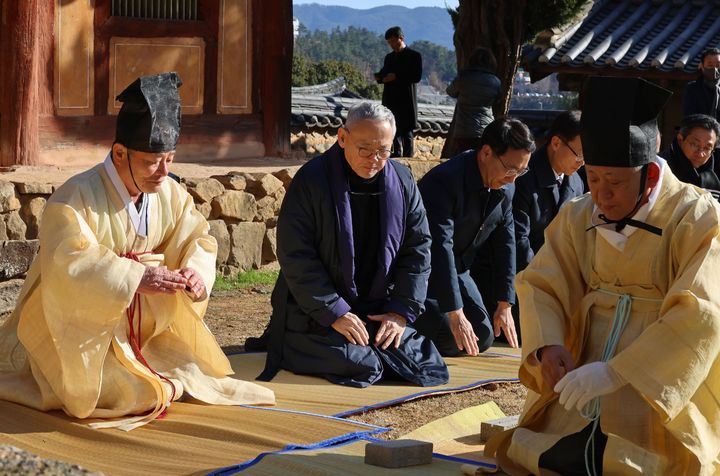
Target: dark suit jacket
463	214
534	205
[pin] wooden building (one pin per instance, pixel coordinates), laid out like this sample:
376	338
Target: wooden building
660	40
62	62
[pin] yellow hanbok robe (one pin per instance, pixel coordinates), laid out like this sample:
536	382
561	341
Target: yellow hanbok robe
66	344
666	419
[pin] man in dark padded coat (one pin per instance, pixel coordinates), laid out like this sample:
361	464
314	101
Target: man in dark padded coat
354	252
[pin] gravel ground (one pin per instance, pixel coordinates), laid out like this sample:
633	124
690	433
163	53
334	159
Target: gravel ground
16	461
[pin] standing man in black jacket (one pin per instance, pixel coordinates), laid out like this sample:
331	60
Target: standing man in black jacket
469	203
702	96
400	74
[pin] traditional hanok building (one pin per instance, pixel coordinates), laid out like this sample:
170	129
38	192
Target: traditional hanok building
660	40
63	62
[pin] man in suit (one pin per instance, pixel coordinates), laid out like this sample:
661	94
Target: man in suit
469	203
550	183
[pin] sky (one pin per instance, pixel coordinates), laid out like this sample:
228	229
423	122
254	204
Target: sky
365	4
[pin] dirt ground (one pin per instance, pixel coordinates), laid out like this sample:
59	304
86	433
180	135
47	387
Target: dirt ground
235	315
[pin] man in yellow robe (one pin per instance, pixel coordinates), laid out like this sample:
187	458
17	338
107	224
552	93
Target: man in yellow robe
620	311
109	321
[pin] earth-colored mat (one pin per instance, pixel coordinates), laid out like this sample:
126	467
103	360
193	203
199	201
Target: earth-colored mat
346	460
192	439
458	435
317	395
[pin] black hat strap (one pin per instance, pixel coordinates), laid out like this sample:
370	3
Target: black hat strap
627	220
132	176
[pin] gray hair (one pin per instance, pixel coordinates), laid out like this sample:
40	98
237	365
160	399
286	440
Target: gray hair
368	111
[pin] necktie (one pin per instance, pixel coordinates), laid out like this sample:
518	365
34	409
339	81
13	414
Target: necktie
556	191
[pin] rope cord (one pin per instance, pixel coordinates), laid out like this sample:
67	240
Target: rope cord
134	337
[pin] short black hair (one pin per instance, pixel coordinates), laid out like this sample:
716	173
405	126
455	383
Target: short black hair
708	52
394	32
483	58
566	126
693	121
507	132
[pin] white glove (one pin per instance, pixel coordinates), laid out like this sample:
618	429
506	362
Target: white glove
581	385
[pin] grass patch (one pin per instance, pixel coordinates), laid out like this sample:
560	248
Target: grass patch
247	279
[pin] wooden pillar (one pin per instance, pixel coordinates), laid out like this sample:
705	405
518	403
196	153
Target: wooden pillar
19	74
273	19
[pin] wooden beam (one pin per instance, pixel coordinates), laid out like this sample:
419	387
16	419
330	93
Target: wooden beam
274	50
23	34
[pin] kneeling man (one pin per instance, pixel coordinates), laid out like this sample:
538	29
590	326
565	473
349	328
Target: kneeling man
619	311
109	321
354	252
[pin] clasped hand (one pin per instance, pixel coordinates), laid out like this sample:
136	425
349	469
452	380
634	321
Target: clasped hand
161	280
353	328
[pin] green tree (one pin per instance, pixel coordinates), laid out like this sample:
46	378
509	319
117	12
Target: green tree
504	26
307	73
366	51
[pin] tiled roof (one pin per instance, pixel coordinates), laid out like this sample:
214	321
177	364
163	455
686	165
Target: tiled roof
659	37
313	110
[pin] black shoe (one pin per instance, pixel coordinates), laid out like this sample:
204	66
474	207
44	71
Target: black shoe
258	344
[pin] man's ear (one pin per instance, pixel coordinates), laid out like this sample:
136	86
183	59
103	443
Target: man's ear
119	152
342	136
653	175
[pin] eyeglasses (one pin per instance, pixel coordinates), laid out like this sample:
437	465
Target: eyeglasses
707	150
578	157
512	171
367	153
382	154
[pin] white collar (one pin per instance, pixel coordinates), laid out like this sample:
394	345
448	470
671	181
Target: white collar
139	218
619	239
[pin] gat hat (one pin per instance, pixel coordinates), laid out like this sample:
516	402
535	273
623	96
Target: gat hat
149	120
618	125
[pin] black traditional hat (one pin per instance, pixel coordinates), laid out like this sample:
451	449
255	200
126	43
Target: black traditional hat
618	126
149	120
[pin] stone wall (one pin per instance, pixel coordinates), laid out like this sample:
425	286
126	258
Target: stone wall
241	208
310	142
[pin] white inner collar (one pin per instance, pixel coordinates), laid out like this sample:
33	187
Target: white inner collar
139	218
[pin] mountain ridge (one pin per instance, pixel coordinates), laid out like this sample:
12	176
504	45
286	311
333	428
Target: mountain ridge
421	23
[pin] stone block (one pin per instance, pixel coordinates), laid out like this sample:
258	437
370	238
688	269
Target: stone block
269	249
490	428
31	212
205	209
219	230
246	241
15	226
398	453
279	196
16	256
232	181
265	208
8	198
263	185
235	204
206	190
34	188
9	292
285	176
